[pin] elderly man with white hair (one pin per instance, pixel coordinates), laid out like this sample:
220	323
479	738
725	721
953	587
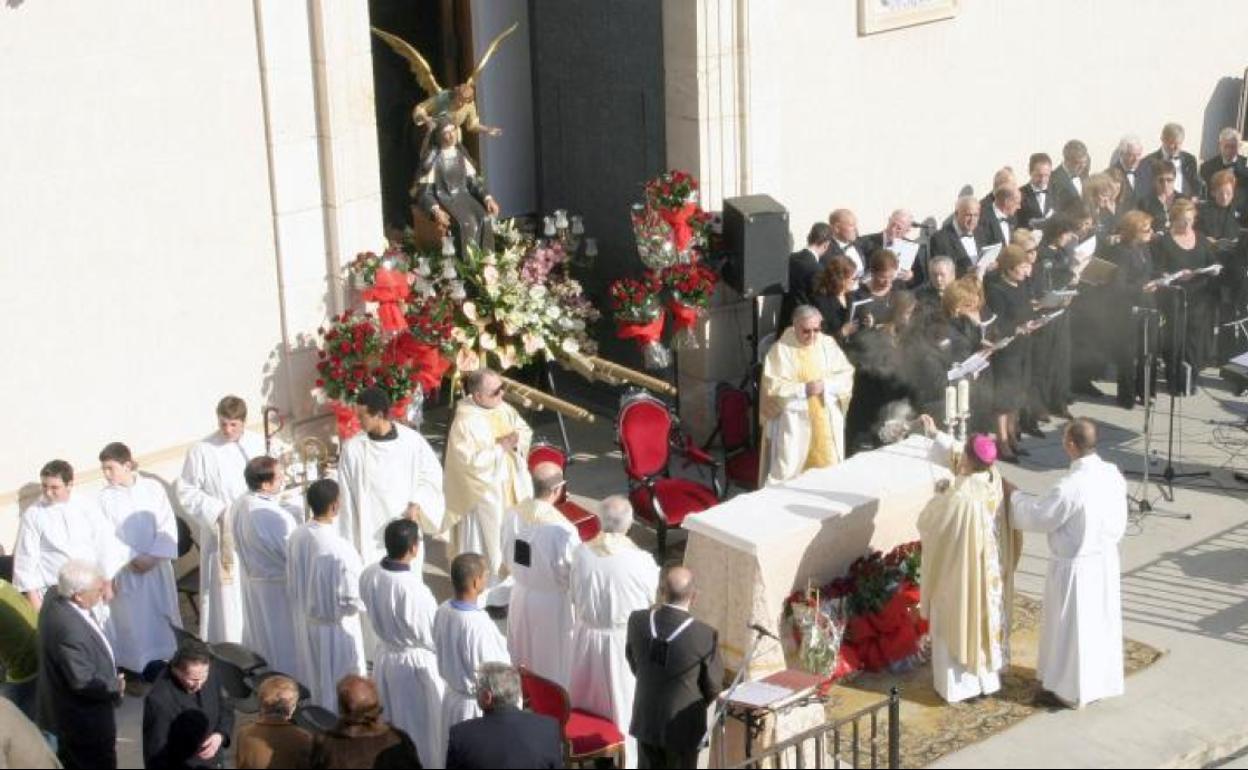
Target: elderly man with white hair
78	681
611	579
894	238
1126	159
504	735
960	239
1187	181
538	542
807	383
1227	159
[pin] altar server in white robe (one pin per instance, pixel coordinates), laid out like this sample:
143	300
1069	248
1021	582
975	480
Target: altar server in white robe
969	556
263	522
211	482
323	581
465	637
59	527
1084	516
388	471
486	471
538	542
807	383
145	598
405	663
611	579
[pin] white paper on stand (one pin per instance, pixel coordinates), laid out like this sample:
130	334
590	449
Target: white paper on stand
973	365
759	694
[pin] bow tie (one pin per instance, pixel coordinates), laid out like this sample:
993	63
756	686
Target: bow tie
1003	220
1040	191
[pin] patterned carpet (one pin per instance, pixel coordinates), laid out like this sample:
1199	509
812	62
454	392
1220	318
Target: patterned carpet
931	728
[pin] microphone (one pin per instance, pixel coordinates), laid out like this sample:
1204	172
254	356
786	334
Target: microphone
756	628
1137	310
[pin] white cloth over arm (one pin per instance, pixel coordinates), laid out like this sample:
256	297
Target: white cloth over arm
323	579
465	637
145	604
539	619
262	527
1084	517
401	609
211	480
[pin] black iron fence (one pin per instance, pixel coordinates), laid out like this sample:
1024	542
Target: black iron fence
862	739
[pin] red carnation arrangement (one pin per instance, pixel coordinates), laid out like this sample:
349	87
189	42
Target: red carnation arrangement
353	356
634	300
671	190
690	284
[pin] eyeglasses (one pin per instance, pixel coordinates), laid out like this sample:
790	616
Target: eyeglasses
498	391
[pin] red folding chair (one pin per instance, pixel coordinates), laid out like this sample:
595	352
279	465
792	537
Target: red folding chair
586	736
734	415
587	524
647	436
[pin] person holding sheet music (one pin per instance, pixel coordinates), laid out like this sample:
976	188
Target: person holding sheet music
1133	287
1184	258
962	304
1227	159
1218	222
878	290
997	219
1009	300
1158	201
845	241
879	375
1038	201
1068	178
1051	348
960	239
1100	204
834	287
911	255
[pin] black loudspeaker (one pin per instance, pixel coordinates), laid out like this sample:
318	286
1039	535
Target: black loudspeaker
757	244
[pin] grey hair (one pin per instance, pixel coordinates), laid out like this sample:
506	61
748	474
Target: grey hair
802	312
1228	133
940	260
475	379
76	576
546	480
1129	141
899	215
501	681
616	514
1173	131
966	202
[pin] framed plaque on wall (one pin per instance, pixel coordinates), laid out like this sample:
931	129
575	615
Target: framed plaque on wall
884	15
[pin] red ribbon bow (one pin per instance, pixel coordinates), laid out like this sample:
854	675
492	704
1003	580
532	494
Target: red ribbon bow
388	290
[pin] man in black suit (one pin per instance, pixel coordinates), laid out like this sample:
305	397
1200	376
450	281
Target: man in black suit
1228	157
78	681
804	267
996	220
189	683
1068	178
505	736
1127	160
1038	201
898	227
679	674
960	239
845	241
1187	181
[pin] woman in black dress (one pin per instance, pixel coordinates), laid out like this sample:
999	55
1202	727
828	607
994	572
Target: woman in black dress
1218	221
880	287
879	374
1133	287
1009	299
1187	304
962	304
1050	347
1157	202
833	287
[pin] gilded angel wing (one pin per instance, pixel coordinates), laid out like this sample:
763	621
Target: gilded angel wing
420	68
489	51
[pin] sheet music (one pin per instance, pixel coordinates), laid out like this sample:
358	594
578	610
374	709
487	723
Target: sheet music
1086	249
1057	298
853	309
759	694
973	365
987	257
906	251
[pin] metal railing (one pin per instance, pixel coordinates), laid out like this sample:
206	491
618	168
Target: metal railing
840	743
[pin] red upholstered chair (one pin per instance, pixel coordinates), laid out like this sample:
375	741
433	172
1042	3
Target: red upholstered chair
734	413
586	736
648	436
587	524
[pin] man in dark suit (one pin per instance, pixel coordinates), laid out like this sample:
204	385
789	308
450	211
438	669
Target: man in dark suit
898	228
960	239
996	220
1068	178
1037	199
1127	160
78	682
505	736
189	683
679	674
1228	157
845	241
804	267
1187	181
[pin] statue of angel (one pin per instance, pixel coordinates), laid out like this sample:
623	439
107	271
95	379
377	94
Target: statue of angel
457	104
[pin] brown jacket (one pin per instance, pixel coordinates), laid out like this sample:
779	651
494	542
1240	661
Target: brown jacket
266	743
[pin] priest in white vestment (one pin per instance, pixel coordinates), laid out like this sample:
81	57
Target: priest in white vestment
388	471
263	522
465	637
62	526
611	579
807	383
486	471
969	556
211	481
323	581
405	663
145	596
538	542
1084	517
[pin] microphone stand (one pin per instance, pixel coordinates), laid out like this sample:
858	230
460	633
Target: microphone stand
1180	354
721	709
1144	506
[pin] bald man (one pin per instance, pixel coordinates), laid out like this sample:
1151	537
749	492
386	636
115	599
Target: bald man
679	674
1084	517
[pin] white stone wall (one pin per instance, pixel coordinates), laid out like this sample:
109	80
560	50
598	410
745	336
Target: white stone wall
152	257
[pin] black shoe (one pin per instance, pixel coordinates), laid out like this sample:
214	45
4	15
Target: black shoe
1021	452
1088	389
1033	429
1128	405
